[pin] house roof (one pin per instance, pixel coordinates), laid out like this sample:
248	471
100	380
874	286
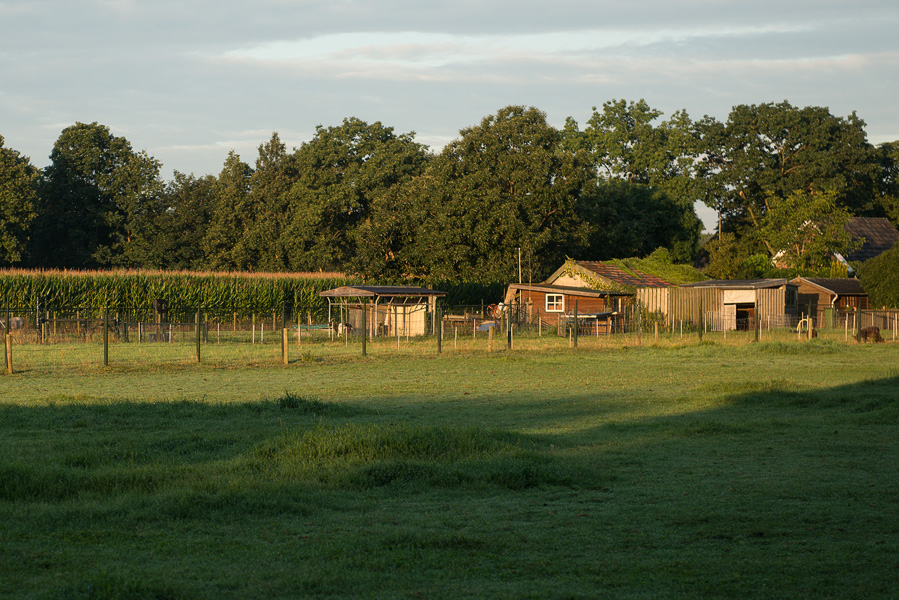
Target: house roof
839	286
878	233
565	289
617	275
372	291
738	284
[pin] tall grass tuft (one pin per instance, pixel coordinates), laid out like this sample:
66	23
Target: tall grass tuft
372	455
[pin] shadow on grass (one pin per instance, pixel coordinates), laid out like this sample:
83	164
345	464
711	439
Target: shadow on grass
772	473
69	449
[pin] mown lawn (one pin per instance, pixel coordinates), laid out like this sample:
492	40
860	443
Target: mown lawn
764	470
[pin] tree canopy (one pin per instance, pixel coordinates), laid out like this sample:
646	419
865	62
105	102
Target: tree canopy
362	198
18	197
93	197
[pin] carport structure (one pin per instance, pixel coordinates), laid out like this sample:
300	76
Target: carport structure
382	309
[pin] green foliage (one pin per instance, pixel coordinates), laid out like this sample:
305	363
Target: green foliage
18	197
633	219
502	186
180	290
880	278
95	196
773	150
804	230
231	219
660	263
340	173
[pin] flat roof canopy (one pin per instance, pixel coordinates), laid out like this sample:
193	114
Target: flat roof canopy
380	291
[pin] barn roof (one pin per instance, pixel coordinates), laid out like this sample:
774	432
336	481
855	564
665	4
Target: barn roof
380	291
839	286
632	278
738	284
566	289
878	233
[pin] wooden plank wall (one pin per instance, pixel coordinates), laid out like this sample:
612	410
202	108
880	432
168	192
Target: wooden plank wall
681	304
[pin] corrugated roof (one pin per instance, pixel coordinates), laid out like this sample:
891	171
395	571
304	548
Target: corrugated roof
617	275
841	286
879	235
370	291
739	284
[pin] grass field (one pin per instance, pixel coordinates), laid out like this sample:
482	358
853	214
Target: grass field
765	470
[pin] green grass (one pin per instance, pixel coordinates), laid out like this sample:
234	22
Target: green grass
709	471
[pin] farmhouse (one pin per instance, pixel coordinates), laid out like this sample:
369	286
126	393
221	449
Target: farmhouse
382	310
597	291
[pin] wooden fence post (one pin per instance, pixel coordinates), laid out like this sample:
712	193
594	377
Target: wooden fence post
105	337
197	325
364	327
8	353
284	346
438	319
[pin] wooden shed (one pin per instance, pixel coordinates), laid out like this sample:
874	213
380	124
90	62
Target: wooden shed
737	304
600	292
825	298
602	310
385	310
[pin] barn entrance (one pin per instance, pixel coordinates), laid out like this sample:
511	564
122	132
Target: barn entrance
745	316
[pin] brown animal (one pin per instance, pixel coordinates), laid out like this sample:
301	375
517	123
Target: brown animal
867	334
14	323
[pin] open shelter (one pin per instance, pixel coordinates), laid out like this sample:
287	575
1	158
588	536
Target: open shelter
384	310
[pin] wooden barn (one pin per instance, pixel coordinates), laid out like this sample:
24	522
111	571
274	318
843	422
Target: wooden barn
598	292
827	298
384	310
737	304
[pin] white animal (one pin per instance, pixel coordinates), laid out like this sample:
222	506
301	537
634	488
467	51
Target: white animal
341	328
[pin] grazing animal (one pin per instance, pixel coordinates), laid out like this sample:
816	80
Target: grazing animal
14	323
869	334
341	328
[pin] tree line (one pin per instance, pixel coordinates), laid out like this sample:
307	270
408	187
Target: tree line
363	199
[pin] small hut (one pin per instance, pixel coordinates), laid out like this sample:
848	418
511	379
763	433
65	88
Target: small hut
739	304
383	310
830	299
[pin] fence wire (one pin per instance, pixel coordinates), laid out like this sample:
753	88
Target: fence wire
97	337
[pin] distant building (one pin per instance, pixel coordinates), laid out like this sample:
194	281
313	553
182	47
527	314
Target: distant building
879	234
599	291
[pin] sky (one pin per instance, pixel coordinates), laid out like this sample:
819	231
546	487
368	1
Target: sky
189	80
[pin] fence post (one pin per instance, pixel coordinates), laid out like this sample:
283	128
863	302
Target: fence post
365	327
105	336
575	324
284	346
8	353
198	333
438	320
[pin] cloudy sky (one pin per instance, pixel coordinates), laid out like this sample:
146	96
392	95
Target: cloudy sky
189	80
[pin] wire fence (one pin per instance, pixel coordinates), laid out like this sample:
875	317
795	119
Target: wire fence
121	337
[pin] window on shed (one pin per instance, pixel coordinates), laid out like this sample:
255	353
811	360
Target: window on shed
790	297
555	303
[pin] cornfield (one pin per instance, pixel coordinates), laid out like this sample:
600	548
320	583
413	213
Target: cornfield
188	290
138	289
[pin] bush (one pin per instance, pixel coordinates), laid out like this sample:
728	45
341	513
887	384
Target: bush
880	278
